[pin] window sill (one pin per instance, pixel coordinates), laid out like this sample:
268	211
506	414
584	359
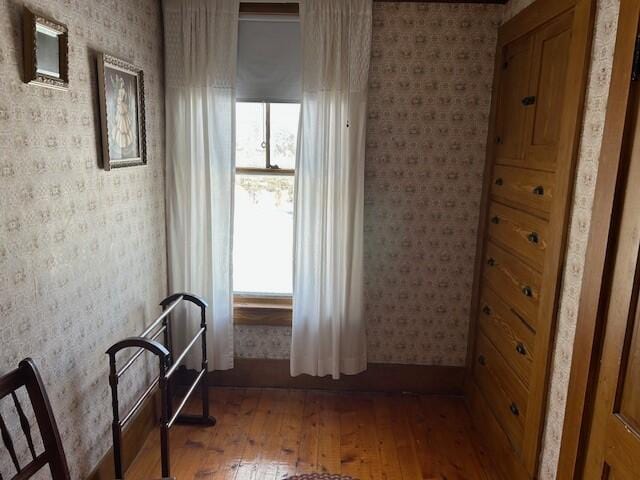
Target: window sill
256	310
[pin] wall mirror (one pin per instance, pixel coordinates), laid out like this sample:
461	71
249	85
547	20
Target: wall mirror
46	51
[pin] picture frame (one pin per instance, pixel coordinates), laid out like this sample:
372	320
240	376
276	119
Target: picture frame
46	51
122	113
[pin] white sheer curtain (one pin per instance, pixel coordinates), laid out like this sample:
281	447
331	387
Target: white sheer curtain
200	63
329	335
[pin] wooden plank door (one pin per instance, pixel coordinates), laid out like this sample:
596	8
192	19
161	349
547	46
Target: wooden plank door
613	450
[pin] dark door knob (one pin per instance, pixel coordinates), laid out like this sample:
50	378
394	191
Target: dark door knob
499	181
539	190
526	101
533	237
527	292
482	360
486	310
491	262
514	409
520	349
495	220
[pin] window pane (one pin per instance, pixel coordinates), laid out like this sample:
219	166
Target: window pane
250	150
263	234
284	134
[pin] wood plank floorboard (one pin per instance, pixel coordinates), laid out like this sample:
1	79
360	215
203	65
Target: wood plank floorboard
270	434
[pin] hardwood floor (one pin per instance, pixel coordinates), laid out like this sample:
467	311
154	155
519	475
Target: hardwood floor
273	433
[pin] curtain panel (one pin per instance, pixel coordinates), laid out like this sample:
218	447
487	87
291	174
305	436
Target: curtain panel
200	68
329	331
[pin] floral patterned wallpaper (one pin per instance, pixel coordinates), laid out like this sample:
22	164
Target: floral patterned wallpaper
82	251
429	99
590	143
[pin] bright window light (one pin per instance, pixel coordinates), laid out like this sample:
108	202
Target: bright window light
266	136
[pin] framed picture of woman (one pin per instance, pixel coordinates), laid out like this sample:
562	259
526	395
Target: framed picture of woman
121	87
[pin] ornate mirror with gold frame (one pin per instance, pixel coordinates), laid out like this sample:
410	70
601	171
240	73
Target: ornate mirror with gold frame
46	51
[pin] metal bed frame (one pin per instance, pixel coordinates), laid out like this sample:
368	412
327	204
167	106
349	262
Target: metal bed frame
147	341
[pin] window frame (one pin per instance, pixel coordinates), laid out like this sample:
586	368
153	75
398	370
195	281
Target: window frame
268	8
255	308
270	310
269	169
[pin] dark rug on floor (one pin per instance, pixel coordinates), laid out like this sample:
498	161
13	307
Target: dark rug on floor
319	476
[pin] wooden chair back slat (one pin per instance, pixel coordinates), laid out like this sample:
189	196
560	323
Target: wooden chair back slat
8	443
24	424
32	468
27	376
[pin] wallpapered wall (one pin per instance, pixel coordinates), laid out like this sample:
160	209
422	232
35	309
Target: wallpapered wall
429	99
82	251
590	143
430	90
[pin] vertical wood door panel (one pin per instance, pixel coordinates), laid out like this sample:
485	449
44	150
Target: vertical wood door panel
629	390
611	475
614	441
510	114
550	62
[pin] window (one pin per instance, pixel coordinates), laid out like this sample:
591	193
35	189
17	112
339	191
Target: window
267	112
266	137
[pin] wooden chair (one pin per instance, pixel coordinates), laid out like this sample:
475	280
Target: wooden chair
26	375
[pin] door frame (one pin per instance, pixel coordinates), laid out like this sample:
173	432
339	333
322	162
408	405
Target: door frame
600	252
